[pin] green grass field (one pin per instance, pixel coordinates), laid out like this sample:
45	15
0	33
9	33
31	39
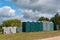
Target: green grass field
29	36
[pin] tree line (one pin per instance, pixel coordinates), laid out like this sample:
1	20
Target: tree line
55	19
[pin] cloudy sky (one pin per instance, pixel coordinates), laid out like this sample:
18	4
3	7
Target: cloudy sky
28	10
33	9
9	11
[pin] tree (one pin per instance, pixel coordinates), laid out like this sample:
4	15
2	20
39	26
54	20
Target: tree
47	19
14	22
56	19
43	19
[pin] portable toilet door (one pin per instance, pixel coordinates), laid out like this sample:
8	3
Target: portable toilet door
44	26
56	27
36	26
41	26
51	26
47	26
32	25
7	30
28	28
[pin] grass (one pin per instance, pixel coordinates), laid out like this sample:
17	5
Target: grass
29	36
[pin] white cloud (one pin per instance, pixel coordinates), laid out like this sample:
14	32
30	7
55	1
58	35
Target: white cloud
7	11
34	15
41	5
33	9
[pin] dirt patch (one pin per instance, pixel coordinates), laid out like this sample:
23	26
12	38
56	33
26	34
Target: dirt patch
53	38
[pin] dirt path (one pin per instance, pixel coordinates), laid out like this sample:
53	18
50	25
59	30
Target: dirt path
53	38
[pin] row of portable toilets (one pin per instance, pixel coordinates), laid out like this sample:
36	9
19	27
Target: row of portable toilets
31	27
38	26
10	30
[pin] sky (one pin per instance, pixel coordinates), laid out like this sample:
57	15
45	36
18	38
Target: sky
28	10
34	9
8	10
10	4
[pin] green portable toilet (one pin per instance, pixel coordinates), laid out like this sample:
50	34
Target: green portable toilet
23	26
51	26
32	26
26	26
39	26
36	27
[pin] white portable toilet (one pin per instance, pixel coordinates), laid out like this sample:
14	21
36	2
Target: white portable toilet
46	26
9	30
6	30
13	30
19	29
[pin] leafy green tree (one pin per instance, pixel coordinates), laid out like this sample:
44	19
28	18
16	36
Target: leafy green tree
43	19
56	19
47	19
14	22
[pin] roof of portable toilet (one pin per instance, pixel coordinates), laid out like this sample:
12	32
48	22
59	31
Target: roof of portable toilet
51	22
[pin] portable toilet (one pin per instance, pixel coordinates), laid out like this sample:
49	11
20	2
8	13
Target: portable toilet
19	29
32	25
56	27
39	26
46	26
6	30
26	26
13	29
51	26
